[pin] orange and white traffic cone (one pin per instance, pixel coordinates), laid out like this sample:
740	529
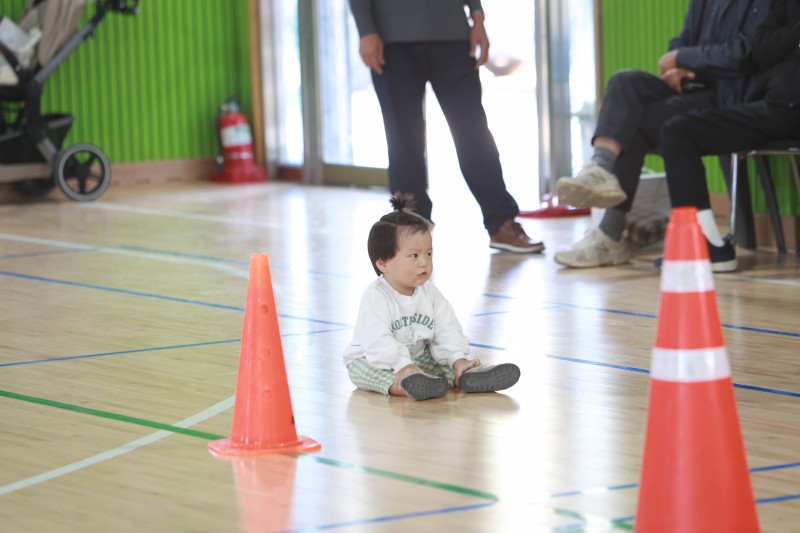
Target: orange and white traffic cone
694	471
263	419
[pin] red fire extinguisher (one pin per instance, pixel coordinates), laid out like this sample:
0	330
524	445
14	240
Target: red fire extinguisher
235	162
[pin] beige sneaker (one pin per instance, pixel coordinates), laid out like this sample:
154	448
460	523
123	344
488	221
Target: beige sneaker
592	187
596	249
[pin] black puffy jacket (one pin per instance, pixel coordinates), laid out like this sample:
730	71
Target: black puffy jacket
727	66
776	49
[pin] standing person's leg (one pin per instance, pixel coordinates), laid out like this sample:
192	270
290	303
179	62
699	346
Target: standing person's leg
457	86
401	91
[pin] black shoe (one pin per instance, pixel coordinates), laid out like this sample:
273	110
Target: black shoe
723	258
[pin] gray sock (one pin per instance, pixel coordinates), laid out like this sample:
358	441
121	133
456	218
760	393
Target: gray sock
604	158
613	223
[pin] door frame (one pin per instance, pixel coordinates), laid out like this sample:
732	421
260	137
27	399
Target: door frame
263	18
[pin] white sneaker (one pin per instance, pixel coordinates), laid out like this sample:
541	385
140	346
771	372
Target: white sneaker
592	187
596	249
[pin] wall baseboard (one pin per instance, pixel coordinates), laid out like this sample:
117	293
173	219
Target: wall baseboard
765	238
161	172
154	173
128	175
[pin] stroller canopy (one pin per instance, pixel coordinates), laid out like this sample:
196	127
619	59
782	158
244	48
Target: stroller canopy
43	29
56	19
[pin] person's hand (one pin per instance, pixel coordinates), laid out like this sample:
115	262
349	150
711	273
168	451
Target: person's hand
370	47
667	62
478	39
673	78
462	365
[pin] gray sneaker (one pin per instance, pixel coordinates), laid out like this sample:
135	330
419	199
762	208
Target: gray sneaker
596	249
592	187
421	386
489	378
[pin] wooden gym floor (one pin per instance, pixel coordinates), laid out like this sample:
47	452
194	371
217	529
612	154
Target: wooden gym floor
121	324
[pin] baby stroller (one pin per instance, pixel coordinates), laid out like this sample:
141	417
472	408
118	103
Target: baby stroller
31	154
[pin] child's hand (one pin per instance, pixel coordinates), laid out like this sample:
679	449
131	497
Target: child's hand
462	365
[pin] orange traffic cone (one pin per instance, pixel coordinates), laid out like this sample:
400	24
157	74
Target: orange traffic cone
263	420
694	470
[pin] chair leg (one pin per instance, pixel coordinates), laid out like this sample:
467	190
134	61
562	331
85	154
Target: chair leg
733	191
741	226
772	203
796	173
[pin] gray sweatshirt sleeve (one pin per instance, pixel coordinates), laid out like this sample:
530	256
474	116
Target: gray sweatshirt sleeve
364	16
408	21
474	5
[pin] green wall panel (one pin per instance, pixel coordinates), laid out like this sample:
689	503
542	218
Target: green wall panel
148	87
635	33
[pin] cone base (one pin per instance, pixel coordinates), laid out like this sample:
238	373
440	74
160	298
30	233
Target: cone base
226	448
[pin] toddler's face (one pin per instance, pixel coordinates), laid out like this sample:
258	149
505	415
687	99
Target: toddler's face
412	265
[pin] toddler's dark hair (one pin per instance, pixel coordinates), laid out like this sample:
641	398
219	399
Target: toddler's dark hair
382	240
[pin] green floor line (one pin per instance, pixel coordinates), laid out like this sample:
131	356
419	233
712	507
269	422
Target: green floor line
403	477
110	416
322	460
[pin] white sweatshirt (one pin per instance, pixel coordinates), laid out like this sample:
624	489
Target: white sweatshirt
392	328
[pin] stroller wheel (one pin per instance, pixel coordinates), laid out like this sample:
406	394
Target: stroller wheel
82	171
36	186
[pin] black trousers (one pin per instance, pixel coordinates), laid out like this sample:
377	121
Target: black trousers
685	139
455	82
635	107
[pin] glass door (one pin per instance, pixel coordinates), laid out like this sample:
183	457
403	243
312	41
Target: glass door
352	142
567	88
326	119
323	121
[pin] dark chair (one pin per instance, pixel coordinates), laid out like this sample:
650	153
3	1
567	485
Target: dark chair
739	189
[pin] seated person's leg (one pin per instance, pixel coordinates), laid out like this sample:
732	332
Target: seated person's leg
607	245
635	106
628	95
687	138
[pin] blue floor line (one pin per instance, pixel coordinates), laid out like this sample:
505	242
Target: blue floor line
244	262
121	352
119	291
645	371
628	486
649	315
207	304
41	254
